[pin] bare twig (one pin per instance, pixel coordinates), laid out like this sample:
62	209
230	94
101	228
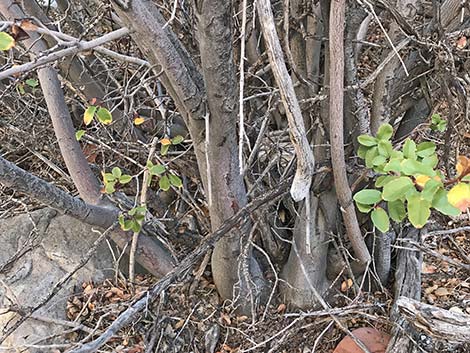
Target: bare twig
143	202
54	56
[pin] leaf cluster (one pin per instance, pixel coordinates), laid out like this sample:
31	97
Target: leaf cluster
134	219
409	184
167	179
111	179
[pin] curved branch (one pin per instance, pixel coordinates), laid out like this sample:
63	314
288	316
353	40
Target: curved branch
343	191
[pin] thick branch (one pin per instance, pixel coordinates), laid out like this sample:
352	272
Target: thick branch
343	191
305	160
436	322
152	256
50	195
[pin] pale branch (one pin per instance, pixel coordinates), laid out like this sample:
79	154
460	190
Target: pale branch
305	160
77	47
336	99
69	41
436	322
242	216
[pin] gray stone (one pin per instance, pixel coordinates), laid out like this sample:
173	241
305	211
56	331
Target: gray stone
37	251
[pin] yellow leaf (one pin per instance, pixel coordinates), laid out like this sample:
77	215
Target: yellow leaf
138	120
89	114
421	180
165	142
459	196
6	41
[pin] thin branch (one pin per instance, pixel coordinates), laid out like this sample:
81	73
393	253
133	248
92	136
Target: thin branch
343	191
54	56
143	202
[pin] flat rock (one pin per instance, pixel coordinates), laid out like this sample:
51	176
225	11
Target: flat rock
38	250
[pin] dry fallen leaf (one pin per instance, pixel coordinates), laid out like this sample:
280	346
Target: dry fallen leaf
441	291
281	308
179	324
462	42
345	285
226	318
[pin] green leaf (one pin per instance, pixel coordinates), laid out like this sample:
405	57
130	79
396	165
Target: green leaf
124	179
409	149
370	155
396	154
385	148
361	151
32	82
139	218
425	149
104	116
164	149
413	167
430	189
385	132
136	227
89	114
79	134
442	126
393	165
175	181
157	169
396	210
363	208
141	209
6	41
367	140
419	211
379	160
164	183
108	177
437	123
116	172
430	161
368	196
397	188
177	140
127	224
20	88
121	220
384	179
109	187
380	219
441	204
